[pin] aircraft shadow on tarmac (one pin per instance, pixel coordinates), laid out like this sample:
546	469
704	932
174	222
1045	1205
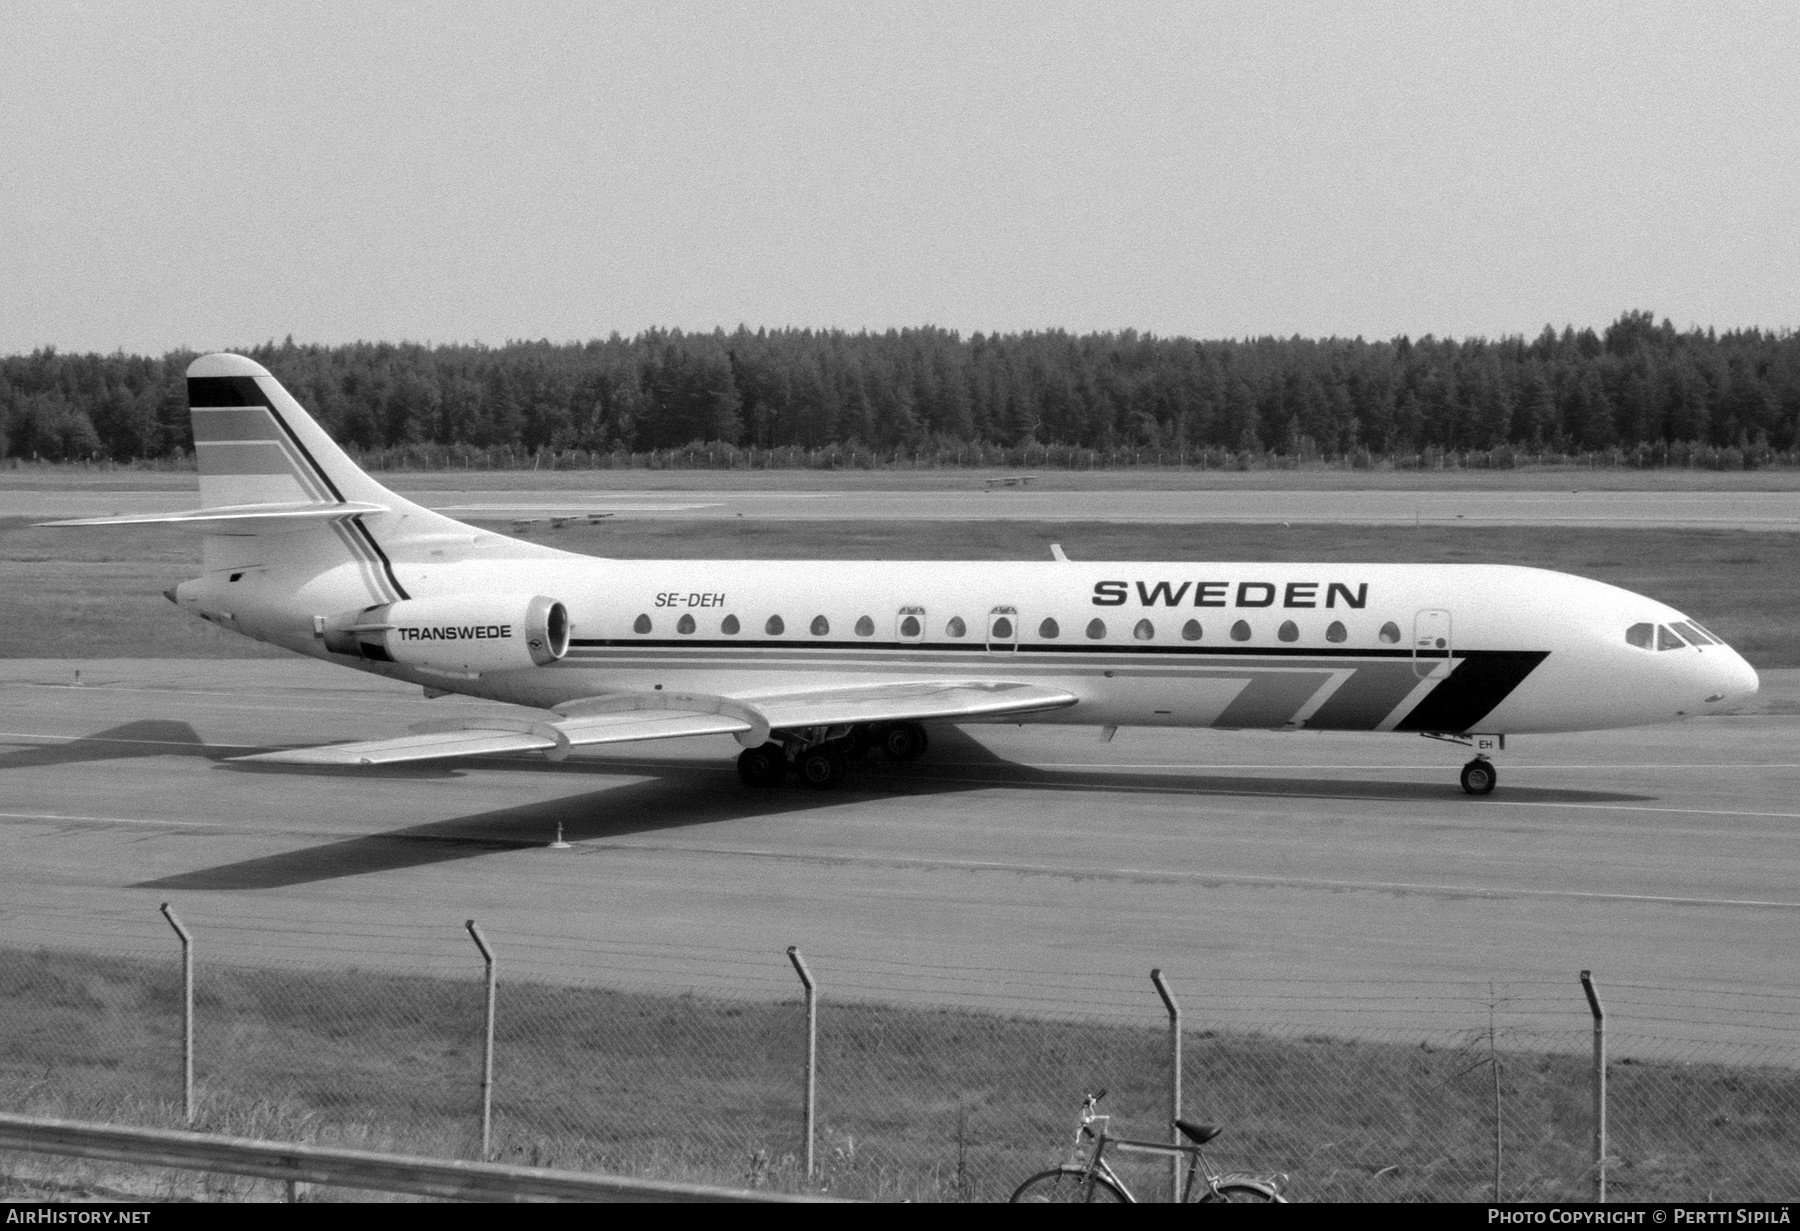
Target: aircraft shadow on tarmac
150	737
677	794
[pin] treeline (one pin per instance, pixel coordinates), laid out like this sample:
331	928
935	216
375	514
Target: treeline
1638	392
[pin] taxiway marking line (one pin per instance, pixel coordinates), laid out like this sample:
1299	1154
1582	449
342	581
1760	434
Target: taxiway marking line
102	820
1374	799
1298	882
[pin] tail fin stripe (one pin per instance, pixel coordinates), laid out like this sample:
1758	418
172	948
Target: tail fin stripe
387	565
311	461
244	457
209	391
365	563
234	423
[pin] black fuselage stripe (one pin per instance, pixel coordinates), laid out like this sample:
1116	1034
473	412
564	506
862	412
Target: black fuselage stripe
1470	693
1217	651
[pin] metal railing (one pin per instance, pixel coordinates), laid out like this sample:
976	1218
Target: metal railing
449	1179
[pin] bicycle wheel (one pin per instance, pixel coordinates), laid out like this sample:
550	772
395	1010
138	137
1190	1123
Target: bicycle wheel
1242	1192
1062	1186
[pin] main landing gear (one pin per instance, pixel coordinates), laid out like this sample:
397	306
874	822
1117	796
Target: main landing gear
823	763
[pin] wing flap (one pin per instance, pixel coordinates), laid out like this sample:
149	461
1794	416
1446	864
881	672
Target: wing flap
915	701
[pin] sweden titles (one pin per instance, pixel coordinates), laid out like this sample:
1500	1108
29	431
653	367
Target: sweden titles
1224	594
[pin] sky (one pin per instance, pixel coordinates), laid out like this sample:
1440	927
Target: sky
203	176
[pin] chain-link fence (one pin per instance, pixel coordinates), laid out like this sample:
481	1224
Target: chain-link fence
931	1083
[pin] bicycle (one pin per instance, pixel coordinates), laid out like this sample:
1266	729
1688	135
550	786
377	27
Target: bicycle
1093	1179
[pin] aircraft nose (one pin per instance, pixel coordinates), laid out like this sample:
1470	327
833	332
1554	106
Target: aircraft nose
1732	678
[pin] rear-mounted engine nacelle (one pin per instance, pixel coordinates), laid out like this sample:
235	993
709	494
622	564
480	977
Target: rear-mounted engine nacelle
462	634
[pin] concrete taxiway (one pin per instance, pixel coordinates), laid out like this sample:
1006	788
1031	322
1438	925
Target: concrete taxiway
1317	881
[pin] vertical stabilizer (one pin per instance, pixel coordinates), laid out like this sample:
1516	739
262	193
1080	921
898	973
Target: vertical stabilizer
255	445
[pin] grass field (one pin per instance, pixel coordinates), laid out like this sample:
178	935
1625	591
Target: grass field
913	1104
94	594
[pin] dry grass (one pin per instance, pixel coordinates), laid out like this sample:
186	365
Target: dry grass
915	1104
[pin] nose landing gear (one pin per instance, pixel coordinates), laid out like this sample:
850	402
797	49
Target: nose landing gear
1478	776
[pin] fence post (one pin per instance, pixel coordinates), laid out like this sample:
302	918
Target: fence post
187	1014
812	1046
1599	1012
487	1043
1169	1003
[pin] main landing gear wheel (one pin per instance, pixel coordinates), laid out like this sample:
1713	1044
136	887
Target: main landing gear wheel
1478	776
764	766
903	741
821	768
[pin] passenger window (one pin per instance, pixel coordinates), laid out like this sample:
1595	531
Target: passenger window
1390	633
1048	630
910	626
1240	631
1289	631
1337	632
729	626
1643	636
820	626
1096	630
774	627
641	624
1666	640
1002	629
1190	631
865	627
1143	630
685	624
956	627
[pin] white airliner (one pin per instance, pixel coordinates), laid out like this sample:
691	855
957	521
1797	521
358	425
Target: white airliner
807	662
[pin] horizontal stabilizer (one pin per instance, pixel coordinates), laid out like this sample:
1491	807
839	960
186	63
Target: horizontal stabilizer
620	718
236	519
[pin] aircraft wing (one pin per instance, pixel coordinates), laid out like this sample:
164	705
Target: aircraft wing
617	718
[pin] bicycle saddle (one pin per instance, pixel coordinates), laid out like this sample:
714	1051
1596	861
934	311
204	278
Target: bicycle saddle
1199	1134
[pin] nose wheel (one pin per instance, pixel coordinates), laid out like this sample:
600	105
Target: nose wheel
1478	776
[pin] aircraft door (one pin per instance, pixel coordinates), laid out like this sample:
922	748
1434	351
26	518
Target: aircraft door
909	625
1003	628
1431	644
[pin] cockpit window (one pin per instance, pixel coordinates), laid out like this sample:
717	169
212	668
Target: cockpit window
1692	632
1643	636
1666	640
1707	632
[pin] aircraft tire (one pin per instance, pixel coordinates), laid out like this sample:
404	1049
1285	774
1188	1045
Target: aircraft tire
904	741
822	768
1478	777
763	766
